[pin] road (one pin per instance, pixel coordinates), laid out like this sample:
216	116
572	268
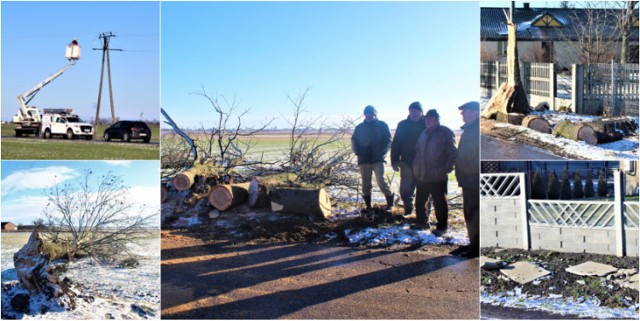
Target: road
223	280
497	149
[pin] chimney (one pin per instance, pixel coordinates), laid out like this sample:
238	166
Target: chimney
526	5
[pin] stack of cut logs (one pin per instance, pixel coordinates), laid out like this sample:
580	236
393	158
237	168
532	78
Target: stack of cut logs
276	191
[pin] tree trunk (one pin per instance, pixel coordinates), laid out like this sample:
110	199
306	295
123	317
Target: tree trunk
260	187
224	197
537	123
576	131
164	194
611	130
313	202
185	179
511	118
35	273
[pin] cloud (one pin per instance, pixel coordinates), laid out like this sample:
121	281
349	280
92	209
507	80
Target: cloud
36	178
124	163
23	210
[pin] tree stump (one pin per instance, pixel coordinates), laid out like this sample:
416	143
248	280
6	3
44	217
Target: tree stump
537	123
261	187
164	194
224	197
35	273
313	202
576	131
185	179
511	118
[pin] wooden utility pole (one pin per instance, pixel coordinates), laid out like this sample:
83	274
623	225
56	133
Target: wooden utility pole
105	36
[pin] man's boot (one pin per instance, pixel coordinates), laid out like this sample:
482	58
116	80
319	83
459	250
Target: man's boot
367	202
390	201
408	209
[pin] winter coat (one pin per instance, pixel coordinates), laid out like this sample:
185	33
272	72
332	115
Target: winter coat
403	147
370	142
435	154
467	160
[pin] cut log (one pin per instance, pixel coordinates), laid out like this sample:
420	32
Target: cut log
224	197
576	131
185	179
164	194
260	187
313	202
537	123
511	118
613	129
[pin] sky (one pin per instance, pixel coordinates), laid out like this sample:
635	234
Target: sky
35	35
349	55
25	183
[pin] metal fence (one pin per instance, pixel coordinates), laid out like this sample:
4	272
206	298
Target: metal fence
509	219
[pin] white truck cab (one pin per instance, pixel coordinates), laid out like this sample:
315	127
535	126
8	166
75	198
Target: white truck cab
64	122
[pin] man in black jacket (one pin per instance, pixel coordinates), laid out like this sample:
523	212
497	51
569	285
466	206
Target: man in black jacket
370	142
468	176
403	151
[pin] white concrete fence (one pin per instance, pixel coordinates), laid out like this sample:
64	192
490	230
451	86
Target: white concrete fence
508	219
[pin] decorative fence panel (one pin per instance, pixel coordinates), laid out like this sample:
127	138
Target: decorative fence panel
611	89
503	211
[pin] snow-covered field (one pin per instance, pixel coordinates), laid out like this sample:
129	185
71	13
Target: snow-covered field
627	148
119	293
583	307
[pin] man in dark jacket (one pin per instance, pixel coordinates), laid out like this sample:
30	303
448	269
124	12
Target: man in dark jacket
370	142
403	151
468	176
435	156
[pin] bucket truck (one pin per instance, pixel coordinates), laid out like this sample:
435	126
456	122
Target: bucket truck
28	118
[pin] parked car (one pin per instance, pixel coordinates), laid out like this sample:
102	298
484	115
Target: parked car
128	130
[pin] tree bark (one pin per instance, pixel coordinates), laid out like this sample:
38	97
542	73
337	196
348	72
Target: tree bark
511	118
224	197
185	179
313	202
537	123
576	131
261	187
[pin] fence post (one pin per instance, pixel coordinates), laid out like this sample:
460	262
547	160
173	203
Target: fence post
577	88
618	212
552	87
524	211
497	73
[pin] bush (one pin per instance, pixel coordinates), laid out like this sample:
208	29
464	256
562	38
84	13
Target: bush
565	188
553	187
577	185
588	186
602	184
538	189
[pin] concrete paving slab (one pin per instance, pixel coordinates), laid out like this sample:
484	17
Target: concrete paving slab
524	272
631	282
490	264
591	268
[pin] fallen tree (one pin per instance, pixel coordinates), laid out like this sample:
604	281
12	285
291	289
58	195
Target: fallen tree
576	131
313	202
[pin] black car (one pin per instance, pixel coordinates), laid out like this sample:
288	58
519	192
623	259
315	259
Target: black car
128	130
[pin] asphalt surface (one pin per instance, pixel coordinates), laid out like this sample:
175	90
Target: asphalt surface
496	149
221	280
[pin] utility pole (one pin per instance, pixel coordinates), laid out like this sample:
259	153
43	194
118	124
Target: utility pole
105	37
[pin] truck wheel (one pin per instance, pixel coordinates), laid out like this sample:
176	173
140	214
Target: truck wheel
69	134
107	137
18	133
47	134
126	137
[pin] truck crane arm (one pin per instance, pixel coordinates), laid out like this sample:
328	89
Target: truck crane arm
28	95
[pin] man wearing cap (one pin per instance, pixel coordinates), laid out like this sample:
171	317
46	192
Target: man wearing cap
468	176
403	151
370	142
435	156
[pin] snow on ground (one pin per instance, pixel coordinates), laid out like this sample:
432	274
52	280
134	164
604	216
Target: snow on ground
403	234
118	293
627	148
584	307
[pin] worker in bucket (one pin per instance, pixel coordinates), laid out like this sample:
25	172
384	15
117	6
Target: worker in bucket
370	142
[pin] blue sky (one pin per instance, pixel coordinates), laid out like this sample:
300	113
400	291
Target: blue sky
34	37
350	54
25	183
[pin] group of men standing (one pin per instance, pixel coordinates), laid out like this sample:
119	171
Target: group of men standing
424	152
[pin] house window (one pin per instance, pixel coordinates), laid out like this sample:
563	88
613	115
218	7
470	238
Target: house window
547	20
502	48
